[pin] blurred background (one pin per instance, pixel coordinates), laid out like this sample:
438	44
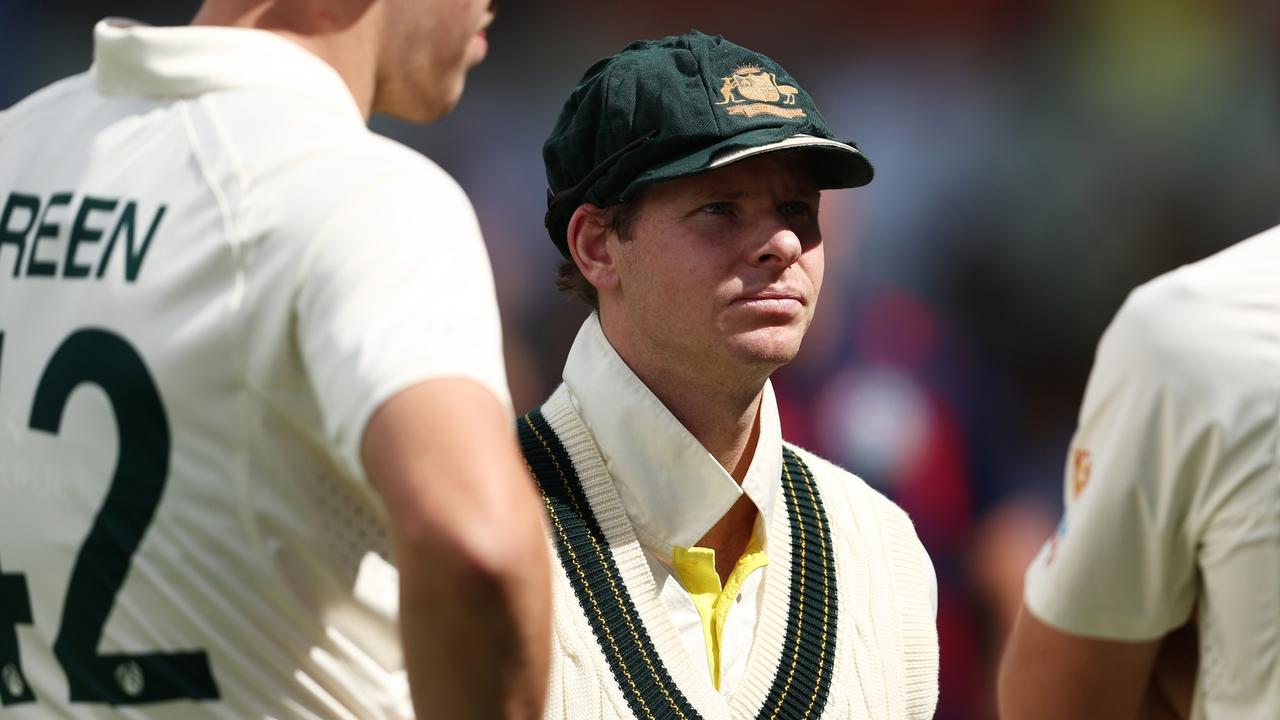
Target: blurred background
1035	160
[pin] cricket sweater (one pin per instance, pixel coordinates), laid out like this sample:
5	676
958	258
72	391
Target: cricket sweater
846	624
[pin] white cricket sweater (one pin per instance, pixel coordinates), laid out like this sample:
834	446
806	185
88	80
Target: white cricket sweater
846	628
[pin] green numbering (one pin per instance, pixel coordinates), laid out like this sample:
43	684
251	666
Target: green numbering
104	359
15	608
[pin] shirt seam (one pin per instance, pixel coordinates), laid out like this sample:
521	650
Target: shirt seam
231	230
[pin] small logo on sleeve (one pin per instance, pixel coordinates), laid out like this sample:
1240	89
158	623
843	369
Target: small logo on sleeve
1081	467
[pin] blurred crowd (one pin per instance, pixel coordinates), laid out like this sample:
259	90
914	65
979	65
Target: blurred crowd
1035	160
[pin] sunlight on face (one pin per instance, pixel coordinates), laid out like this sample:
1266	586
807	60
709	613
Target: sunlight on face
429	49
723	268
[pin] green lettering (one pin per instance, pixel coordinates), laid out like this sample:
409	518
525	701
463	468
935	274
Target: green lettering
81	233
11	236
133	262
124	225
46	230
133	257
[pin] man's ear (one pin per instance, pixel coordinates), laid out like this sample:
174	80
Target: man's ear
588	239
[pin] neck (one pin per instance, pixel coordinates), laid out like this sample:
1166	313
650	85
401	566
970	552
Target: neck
725	421
727	424
348	39
719	408
729	429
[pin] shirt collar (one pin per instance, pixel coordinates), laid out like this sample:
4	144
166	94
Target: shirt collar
673	490
131	58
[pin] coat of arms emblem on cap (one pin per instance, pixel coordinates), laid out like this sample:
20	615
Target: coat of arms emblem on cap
751	82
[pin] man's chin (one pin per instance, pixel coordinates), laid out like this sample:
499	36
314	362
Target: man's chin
423	105
768	346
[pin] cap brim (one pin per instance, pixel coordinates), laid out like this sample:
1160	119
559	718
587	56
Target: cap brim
795	141
835	164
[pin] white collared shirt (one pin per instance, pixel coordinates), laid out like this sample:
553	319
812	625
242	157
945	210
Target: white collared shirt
207	249
672	489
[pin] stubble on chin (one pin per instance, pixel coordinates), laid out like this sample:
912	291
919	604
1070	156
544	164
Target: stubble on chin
763	350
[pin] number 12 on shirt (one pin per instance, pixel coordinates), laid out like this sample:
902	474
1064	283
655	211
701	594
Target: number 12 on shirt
102	358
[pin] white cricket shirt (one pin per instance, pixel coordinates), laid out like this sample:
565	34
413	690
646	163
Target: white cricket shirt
211	275
1173	500
672	489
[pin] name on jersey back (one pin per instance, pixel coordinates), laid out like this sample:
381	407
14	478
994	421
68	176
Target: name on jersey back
65	236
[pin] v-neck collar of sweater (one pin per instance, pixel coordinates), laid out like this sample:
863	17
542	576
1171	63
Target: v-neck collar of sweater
791	662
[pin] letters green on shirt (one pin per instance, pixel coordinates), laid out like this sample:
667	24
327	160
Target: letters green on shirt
35	228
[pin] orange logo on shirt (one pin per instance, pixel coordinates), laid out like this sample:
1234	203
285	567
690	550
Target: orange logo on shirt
1081	466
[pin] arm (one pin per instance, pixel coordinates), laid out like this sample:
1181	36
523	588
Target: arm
474	569
1048	674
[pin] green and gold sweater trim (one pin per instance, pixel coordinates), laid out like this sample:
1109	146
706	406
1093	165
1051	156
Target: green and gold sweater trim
803	679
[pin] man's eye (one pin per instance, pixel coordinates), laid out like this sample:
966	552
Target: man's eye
796	208
716	208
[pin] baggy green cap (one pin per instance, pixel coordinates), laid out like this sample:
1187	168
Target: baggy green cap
663	109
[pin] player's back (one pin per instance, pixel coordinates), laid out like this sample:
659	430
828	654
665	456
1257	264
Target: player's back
178	537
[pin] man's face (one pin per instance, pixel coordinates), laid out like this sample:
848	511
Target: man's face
722	269
430	46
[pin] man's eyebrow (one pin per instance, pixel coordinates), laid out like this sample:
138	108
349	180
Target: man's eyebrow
720	192
728	192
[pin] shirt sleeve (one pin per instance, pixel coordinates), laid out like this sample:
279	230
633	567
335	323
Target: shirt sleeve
1122	563
397	290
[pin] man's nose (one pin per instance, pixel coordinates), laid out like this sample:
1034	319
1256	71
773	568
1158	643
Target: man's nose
781	246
